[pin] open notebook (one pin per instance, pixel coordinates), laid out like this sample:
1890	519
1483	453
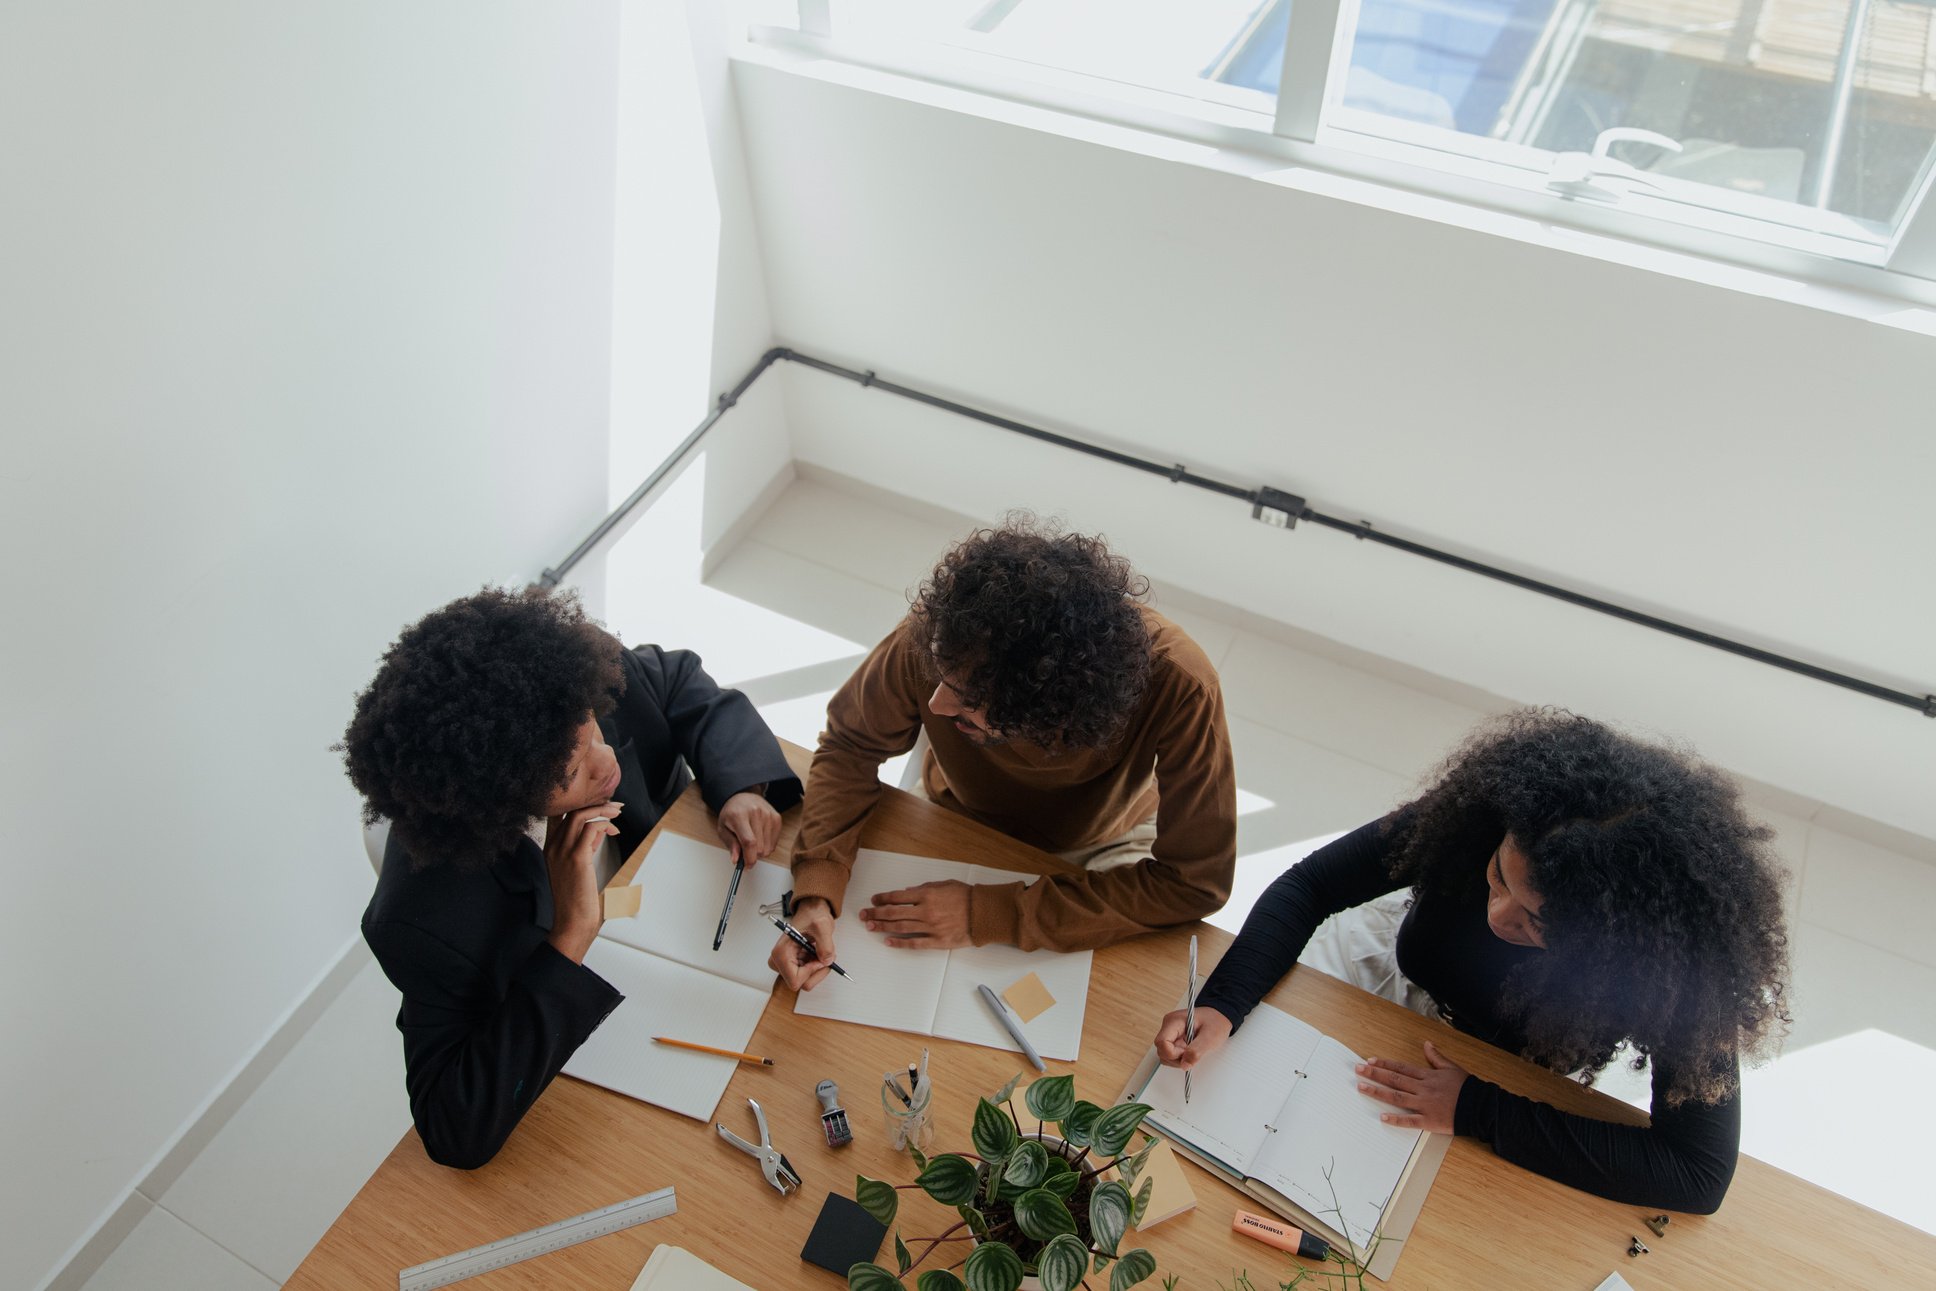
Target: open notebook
675	984
1276	1110
933	992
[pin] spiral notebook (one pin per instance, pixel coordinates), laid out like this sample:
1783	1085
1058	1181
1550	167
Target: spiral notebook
661	959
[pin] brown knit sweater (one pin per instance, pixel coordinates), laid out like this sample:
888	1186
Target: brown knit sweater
1173	761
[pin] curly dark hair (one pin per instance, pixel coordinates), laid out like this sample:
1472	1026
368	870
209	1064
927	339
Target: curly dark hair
1040	630
1662	908
471	720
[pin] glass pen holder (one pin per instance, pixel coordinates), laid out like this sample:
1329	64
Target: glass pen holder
911	1123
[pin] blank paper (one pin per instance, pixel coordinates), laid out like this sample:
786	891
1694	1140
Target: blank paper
682	885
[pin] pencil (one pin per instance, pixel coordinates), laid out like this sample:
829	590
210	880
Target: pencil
706	1048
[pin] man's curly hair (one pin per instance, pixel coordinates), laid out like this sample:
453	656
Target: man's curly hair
471	720
1662	902
1040	631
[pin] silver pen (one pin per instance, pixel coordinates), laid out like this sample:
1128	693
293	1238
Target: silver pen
1190	1013
1007	1018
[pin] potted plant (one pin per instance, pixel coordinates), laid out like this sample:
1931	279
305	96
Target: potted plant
1033	1205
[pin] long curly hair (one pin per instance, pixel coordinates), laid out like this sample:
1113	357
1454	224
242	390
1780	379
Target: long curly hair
1662	908
472	718
1040	630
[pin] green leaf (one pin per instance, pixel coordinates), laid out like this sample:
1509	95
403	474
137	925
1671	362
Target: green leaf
1109	1207
1063	1185
877	1199
993	1133
1028	1165
1042	1215
992	1267
1131	1269
1007	1091
1077	1125
949	1178
920	1157
901	1255
938	1280
1059	1164
1113	1128
1129	1167
1101	1260
977	1222
1062	1263
1052	1097
872	1277
1142	1201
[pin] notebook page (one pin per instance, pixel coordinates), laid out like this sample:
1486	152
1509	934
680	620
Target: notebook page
684	882
1056	1032
1237	1091
669	999
894	989
1327	1124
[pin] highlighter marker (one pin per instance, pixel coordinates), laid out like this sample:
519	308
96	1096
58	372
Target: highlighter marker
1276	1233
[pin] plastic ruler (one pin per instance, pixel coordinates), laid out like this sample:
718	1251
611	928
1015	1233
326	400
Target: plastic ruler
538	1241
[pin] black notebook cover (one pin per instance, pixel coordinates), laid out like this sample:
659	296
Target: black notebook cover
843	1236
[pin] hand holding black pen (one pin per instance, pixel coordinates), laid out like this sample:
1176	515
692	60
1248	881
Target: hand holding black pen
797	958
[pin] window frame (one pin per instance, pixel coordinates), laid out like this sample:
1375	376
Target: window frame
1502	178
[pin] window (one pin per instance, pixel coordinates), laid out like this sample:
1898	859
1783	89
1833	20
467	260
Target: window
1806	123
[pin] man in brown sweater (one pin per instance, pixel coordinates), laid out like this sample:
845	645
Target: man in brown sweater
1058	710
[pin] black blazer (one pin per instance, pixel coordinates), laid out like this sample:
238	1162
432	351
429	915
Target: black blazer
491	1010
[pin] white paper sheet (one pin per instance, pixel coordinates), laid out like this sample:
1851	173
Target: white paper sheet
1327	1125
962	1014
666	998
683	884
1237	1092
933	992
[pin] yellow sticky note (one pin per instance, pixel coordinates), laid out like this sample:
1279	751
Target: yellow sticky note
622	903
1029	998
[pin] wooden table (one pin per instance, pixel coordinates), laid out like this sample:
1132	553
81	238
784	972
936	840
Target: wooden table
1486	1223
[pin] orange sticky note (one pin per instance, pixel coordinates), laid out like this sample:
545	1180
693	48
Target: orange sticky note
1029	998
622	903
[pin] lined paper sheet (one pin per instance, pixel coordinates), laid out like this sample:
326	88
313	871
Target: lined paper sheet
682	884
1326	1124
933	992
669	999
1237	1092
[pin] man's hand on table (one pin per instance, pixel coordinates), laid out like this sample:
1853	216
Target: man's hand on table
1422	1098
1213	1028
749	826
571	857
928	916
798	969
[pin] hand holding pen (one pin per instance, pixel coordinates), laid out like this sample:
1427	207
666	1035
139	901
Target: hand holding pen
805	952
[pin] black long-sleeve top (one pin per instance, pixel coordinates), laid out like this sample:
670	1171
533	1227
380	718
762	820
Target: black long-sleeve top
1683	1161
491	1010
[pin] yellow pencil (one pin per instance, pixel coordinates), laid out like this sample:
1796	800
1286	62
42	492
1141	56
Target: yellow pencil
706	1048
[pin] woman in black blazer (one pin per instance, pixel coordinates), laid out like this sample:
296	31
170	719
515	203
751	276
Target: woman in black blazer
492	716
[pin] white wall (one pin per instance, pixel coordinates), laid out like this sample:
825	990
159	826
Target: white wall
690	314
306	330
1738	462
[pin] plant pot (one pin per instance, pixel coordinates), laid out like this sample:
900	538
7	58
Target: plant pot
1062	1149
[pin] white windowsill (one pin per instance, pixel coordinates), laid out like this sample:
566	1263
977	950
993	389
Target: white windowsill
1217	137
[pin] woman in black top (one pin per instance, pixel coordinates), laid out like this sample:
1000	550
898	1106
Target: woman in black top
493	712
1571	888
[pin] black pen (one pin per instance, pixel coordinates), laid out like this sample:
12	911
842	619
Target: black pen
805	943
739	868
